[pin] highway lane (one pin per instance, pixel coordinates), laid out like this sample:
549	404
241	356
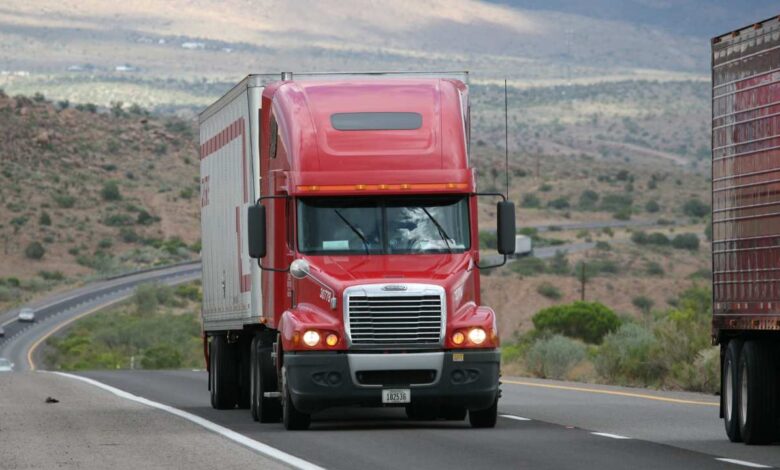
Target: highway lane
663	429
61	308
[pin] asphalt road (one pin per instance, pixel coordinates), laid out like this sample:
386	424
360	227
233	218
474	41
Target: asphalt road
60	308
547	425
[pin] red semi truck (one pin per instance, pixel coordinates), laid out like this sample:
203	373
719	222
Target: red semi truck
341	250
746	227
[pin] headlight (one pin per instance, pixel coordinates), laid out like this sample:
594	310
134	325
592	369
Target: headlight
477	335
311	338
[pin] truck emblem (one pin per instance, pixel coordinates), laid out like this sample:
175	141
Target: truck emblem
394	287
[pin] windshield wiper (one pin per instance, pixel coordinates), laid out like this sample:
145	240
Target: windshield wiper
353	228
442	233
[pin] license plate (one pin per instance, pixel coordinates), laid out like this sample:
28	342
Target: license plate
398	395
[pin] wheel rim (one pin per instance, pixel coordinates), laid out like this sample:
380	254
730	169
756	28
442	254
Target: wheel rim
743	396
729	391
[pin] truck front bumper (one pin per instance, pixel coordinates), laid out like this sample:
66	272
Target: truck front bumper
319	380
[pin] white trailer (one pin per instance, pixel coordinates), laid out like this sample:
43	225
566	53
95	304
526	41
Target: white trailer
523	246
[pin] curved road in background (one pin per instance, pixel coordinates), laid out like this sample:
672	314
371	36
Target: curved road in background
543	424
59	309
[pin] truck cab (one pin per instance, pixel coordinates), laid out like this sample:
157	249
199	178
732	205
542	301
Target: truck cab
364	229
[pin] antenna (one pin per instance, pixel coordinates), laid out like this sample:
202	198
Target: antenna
506	138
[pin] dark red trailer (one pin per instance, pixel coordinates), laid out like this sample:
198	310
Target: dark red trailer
746	227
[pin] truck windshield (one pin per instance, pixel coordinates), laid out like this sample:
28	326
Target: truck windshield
388	225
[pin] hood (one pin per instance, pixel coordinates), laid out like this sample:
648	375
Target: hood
389	268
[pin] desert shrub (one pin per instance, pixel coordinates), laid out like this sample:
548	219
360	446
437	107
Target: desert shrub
110	191
530	200
558	264
117	220
148	297
686	241
145	218
616	202
652	206
603	246
34	250
545	187
128	235
596	267
654	269
643	303
588	321
588	200
695	207
51	275
655	238
189	292
554	357
626	356
161	356
703	375
559	203
528	266
186	193
65	201
622	214
105	243
548	290
488	240
44	218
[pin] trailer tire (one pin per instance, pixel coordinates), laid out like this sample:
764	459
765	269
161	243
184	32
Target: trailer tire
293	419
223	374
484	418
263	379
757	393
730	390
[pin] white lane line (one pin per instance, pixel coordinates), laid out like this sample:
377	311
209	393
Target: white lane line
516	418
743	463
264	449
611	436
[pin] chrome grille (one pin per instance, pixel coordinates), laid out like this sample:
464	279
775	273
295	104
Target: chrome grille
412	318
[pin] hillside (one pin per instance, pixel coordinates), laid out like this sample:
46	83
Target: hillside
86	193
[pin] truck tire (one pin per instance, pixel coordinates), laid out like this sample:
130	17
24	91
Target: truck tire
757	393
223	374
244	387
293	419
262	380
730	390
484	418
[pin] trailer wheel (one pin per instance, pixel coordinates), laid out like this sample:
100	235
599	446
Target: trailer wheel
293	419
223	374
484	418
757	393
730	388
262	380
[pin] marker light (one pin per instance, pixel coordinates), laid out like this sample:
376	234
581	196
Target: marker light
458	338
311	338
476	336
331	339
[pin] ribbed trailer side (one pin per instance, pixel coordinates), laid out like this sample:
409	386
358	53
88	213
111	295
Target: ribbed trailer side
746	179
228	162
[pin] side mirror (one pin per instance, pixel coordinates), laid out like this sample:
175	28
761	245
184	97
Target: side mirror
505	230
256	230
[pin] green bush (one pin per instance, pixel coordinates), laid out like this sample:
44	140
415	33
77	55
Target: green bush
44	218
652	206
488	240
148	297
34	250
643	303
145	218
110	191
588	321
117	220
694	207
548	290
554	357
616	202
655	238
588	200
559	203
51	275
528	266
65	201
654	269
686	241
626	356
530	201
162	356
558	264
105	243
596	267
128	235
622	214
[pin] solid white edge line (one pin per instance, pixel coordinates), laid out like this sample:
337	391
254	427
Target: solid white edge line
516	418
742	462
257	446
612	436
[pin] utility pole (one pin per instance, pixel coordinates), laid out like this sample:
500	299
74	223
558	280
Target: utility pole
583	279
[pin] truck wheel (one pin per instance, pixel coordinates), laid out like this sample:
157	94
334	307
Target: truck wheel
244	387
293	419
484	418
263	379
223	374
730	388
757	392
453	413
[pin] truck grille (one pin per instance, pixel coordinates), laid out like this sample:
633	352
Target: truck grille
395	320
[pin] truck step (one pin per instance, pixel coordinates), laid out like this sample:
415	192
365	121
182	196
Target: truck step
272	394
